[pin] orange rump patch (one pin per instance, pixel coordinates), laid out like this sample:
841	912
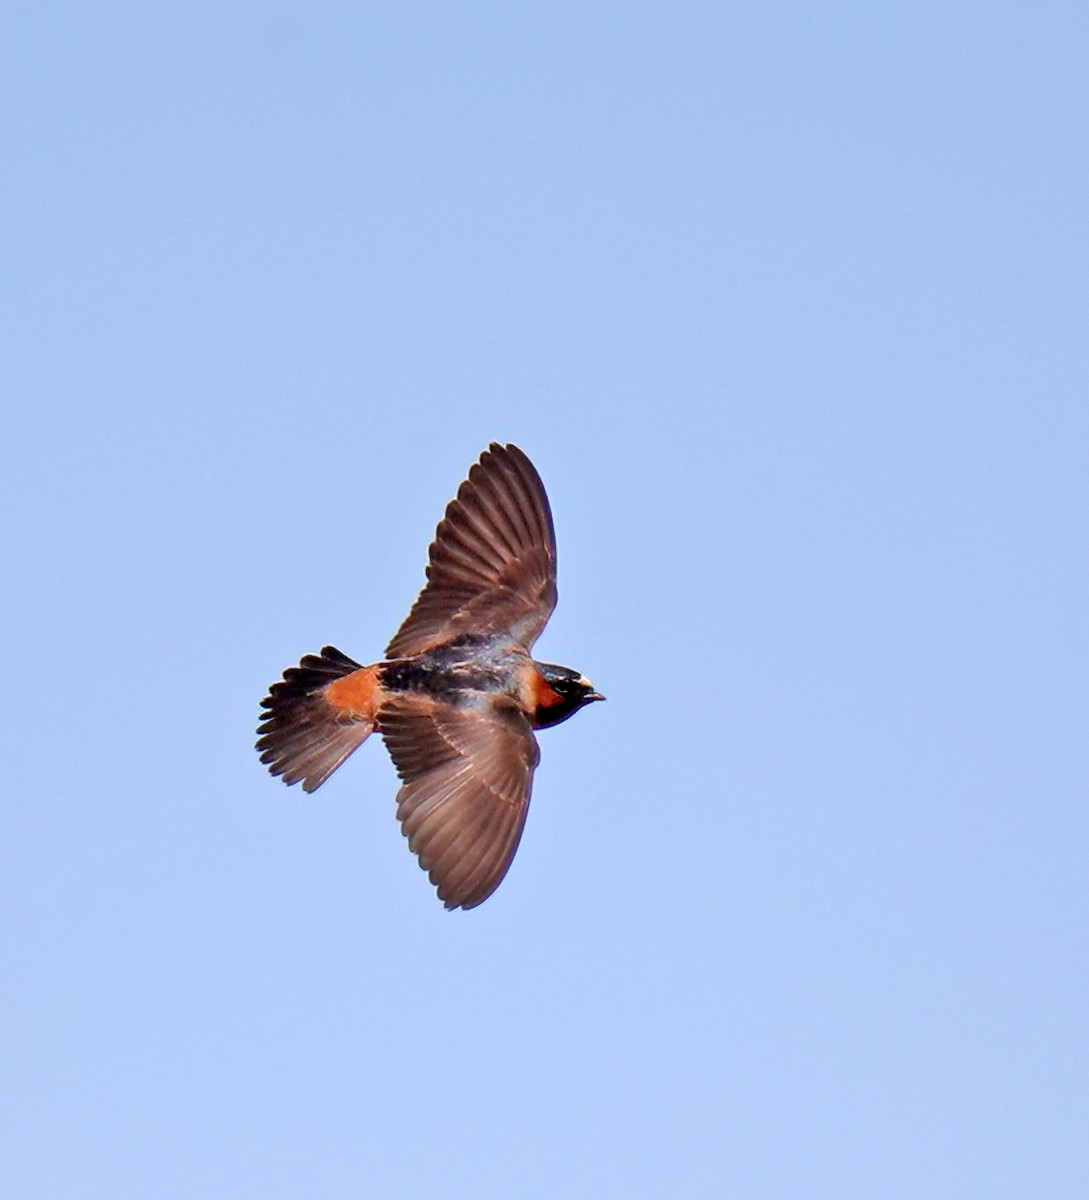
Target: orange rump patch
358	694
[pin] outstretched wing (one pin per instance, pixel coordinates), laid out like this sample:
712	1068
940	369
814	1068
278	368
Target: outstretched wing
493	561
467	776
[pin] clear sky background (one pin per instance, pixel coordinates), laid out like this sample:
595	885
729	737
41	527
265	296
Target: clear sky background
789	304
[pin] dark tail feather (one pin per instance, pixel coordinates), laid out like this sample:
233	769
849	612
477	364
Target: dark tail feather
302	736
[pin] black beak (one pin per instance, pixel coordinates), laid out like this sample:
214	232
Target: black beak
592	696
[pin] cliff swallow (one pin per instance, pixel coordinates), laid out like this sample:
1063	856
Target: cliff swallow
458	695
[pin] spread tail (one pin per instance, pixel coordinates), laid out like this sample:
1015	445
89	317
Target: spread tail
306	729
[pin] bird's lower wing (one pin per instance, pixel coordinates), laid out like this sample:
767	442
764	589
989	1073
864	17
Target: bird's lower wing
467	774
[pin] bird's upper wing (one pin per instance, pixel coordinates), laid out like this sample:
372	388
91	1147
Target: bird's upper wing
493	561
467	775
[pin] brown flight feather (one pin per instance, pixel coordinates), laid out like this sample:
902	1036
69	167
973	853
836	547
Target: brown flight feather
492	565
467	775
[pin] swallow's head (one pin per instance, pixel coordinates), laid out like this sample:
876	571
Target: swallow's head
560	693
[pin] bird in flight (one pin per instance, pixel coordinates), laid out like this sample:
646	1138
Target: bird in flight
458	695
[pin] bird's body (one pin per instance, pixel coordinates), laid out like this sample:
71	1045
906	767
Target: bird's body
459	695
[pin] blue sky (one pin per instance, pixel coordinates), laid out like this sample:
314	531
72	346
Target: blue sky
788	304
